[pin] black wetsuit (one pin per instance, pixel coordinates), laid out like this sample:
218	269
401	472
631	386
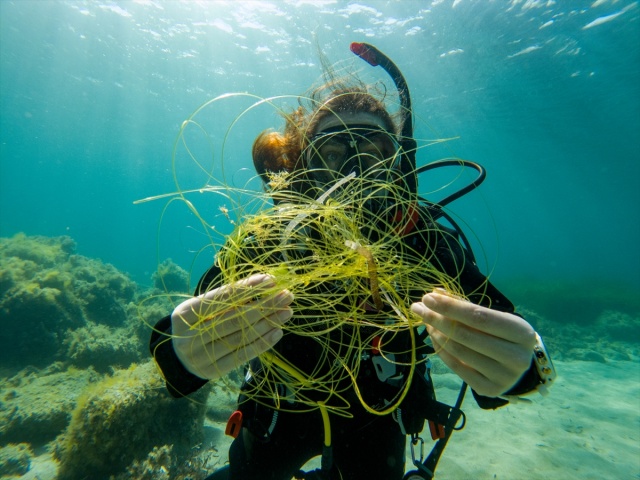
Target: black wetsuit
366	446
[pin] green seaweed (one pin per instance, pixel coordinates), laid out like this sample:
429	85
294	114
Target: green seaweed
15	459
170	277
121	419
50	297
35	405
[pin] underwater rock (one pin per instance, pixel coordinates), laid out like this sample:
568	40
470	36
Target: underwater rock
102	348
163	463
35	406
157	465
46	292
38	250
120	420
619	326
101	289
36	311
170	277
15	459
589	356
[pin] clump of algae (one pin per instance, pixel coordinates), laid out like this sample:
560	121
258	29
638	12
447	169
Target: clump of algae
120	420
47	292
35	405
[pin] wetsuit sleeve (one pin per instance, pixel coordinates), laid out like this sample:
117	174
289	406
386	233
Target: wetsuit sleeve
180	382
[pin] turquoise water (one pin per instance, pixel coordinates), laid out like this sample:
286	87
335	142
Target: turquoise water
545	95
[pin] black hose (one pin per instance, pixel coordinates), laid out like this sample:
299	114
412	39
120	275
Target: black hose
453	162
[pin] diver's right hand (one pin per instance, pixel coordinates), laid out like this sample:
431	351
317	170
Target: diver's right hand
228	326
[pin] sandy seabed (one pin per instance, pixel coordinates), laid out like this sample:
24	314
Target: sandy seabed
588	428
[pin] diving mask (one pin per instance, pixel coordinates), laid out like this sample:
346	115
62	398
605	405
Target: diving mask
344	149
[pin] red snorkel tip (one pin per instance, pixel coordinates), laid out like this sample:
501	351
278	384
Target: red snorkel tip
364	52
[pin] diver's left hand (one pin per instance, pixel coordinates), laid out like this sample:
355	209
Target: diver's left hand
488	349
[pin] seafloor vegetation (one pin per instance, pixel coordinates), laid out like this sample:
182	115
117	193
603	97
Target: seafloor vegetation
76	380
76	375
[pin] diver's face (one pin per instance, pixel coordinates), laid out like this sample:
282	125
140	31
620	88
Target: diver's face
351	143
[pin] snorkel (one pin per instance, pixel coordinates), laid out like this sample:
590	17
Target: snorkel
375	57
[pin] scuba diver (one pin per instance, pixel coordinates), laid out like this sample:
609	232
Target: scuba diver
348	133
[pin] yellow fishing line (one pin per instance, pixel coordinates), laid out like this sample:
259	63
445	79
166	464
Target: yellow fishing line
316	249
337	250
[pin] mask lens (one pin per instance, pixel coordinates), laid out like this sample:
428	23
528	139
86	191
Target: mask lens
330	152
347	150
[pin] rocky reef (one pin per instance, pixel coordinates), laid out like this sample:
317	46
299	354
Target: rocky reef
121	420
48	295
15	459
36	405
170	277
77	385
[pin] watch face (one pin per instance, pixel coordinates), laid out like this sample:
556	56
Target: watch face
544	365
